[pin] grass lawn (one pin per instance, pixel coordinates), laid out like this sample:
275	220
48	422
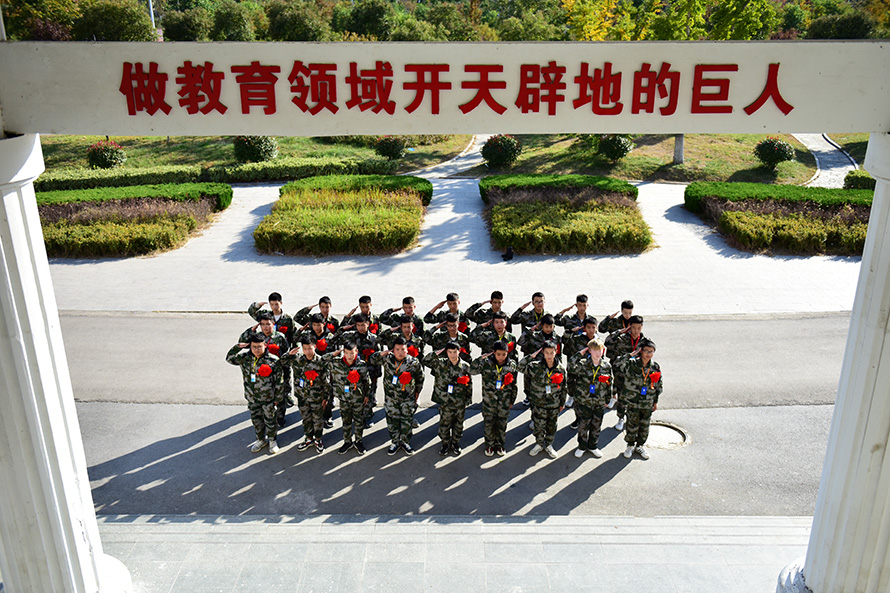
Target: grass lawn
854	144
149	151
709	157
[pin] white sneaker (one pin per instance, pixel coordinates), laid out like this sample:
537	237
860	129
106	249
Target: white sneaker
551	452
628	453
535	450
596	453
642	452
257	445
619	426
273	447
570	401
531	425
579	453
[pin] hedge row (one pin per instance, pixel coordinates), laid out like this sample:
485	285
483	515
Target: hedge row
793	233
117	239
282	169
859	179
182	192
541	227
506	183
356	183
736	192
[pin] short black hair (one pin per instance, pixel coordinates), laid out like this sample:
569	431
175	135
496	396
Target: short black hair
646	342
452	296
452	346
266	316
549	344
324	300
499	345
537	294
405	319
497	294
628	304
399	341
364	299
450	318
306	339
581	298
349	345
254	337
499	315
317	318
589	321
547	320
275	296
408	300
361	318
635	319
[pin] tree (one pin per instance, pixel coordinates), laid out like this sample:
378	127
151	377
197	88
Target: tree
531	26
296	21
743	19
681	20
113	20
407	27
855	24
232	22
191	25
33	19
371	19
451	23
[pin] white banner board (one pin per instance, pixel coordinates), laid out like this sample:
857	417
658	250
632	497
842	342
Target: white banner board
323	89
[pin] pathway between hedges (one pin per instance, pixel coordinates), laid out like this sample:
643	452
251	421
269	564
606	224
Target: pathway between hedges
691	271
832	162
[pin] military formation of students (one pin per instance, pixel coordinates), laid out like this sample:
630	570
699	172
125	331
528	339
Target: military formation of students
312	359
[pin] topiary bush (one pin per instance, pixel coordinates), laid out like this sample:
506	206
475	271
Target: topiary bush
501	150
614	146
859	179
106	155
390	147
255	149
772	151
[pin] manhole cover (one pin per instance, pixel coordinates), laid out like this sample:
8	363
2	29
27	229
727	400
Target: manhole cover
666	436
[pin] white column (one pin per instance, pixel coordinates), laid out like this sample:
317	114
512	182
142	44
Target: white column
49	539
849	548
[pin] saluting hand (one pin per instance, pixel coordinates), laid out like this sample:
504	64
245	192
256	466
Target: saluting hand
440	351
487	323
348	315
243	345
525	305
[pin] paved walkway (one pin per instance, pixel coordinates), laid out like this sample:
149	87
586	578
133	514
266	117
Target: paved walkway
833	163
356	554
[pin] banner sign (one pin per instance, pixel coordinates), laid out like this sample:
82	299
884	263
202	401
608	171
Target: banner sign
326	89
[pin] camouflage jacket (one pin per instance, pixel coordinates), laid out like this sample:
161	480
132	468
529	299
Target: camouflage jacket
257	387
284	324
304	315
590	385
365	342
309	388
438	340
388	336
478	315
620	344
494	386
526	318
573	342
321	347
393	388
485	337
532	341
390	318
609	325
373	327
276	342
447	390
543	392
339	371
637	380
569	322
463	322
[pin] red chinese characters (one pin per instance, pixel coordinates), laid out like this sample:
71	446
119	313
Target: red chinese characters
197	85
257	84
602	90
483	88
647	82
699	83
540	84
370	89
421	85
321	88
771	91
144	90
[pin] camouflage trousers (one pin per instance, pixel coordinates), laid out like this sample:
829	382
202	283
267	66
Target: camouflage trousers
495	415
636	431
399	416
451	422
590	421
372	399
352	414
545	424
618	387
313	422
263	415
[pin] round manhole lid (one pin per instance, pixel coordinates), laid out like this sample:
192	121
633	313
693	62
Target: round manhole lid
663	435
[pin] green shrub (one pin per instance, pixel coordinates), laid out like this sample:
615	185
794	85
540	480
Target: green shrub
255	149
614	147
106	155
507	183
221	192
737	192
232	22
390	147
116	239
188	25
859	179
357	183
772	151
794	233
88	178
501	150
297	168
113	20
296	21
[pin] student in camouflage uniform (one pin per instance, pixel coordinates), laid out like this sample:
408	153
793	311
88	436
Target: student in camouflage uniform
546	378
452	299
499	373
573	341
534	339
619	320
573	322
487	333
591	386
311	388
324	307
320	334
367	343
284	323
277	344
262	377
402	382
404	328
438	336
619	343
642	386
364	308
453	391
527	320
478	315
350	383
391	317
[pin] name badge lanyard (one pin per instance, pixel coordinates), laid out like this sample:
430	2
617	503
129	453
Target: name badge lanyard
395	377
499	384
550	382
645	388
253	369
596	372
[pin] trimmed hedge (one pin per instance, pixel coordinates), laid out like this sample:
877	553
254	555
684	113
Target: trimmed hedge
173	191
354	183
116	239
736	192
89	178
794	233
859	179
506	183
